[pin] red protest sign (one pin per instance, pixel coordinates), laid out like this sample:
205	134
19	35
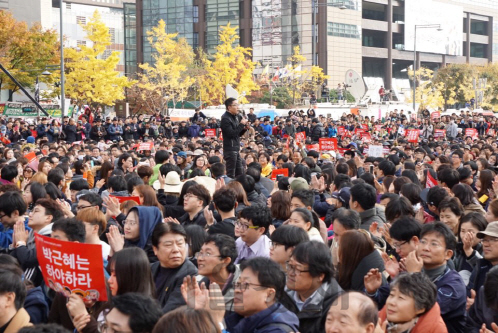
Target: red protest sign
435	115
412	135
430	182
277	172
365	127
472	132
358	131
210	132
366	137
146	146
301	136
32	160
313	147
341	130
326	144
72	268
123	199
439	133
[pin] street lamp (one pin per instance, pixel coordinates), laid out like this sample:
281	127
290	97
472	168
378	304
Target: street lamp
421	26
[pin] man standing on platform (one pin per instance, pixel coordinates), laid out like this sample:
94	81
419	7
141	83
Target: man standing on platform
232	128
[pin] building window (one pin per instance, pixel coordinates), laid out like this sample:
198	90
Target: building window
81	42
349	4
68	6
195	41
196	14
112	34
81	20
478	28
478	50
343	30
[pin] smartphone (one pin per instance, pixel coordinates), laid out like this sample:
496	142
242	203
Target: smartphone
314	174
371	169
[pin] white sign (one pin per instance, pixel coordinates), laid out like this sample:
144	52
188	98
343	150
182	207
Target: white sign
375	151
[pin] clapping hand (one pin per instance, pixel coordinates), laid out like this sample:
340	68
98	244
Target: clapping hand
373	280
115	239
20	233
391	265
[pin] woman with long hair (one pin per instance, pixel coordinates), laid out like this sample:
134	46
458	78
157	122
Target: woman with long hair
32	192
280	207
304	219
45	167
357	255
147	196
240	194
469	246
201	163
484	184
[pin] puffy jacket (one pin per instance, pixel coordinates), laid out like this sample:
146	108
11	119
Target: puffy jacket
317	132
429	322
193	131
232	130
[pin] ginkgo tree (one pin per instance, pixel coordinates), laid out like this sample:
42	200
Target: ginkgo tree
231	64
167	79
90	77
25	52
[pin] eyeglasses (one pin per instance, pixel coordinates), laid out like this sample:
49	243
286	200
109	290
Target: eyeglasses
129	223
273	245
397	246
432	245
244	227
205	255
242	286
83	207
28	170
292	268
484	240
190	195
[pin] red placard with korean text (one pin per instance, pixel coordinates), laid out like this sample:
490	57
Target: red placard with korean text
358	131
313	147
365	127
366	137
341	130
327	144
435	115
277	172
72	268
472	132
146	146
210	132
300	137
412	135
439	133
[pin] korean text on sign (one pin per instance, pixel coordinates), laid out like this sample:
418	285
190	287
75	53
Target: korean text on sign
72	268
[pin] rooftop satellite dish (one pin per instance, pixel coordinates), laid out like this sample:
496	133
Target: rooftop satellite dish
355	84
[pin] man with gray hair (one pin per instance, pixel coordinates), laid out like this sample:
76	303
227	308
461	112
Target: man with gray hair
352	312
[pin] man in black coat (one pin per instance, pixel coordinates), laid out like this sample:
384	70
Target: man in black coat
232	128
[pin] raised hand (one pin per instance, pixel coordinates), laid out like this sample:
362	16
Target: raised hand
196	297
471	299
208	215
373	280
391	265
413	262
112	205
170	219
374	229
115	239
467	241
20	233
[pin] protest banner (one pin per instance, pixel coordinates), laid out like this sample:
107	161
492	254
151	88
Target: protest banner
358	131
341	130
472	132
72	268
210	132
146	146
439	133
412	135
327	144
276	172
366	137
430	182
365	127
300	137
376	151
435	115
316	147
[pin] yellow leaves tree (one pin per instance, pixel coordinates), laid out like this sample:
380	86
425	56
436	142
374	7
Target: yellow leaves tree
167	79
91	78
25	52
429	93
232	65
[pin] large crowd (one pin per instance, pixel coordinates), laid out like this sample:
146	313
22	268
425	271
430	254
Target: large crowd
241	224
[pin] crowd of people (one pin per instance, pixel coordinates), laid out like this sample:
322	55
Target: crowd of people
199	234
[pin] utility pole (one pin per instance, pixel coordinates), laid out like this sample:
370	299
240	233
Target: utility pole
63	94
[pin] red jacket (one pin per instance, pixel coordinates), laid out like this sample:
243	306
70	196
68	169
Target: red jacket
430	322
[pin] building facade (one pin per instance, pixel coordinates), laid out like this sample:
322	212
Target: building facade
376	38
